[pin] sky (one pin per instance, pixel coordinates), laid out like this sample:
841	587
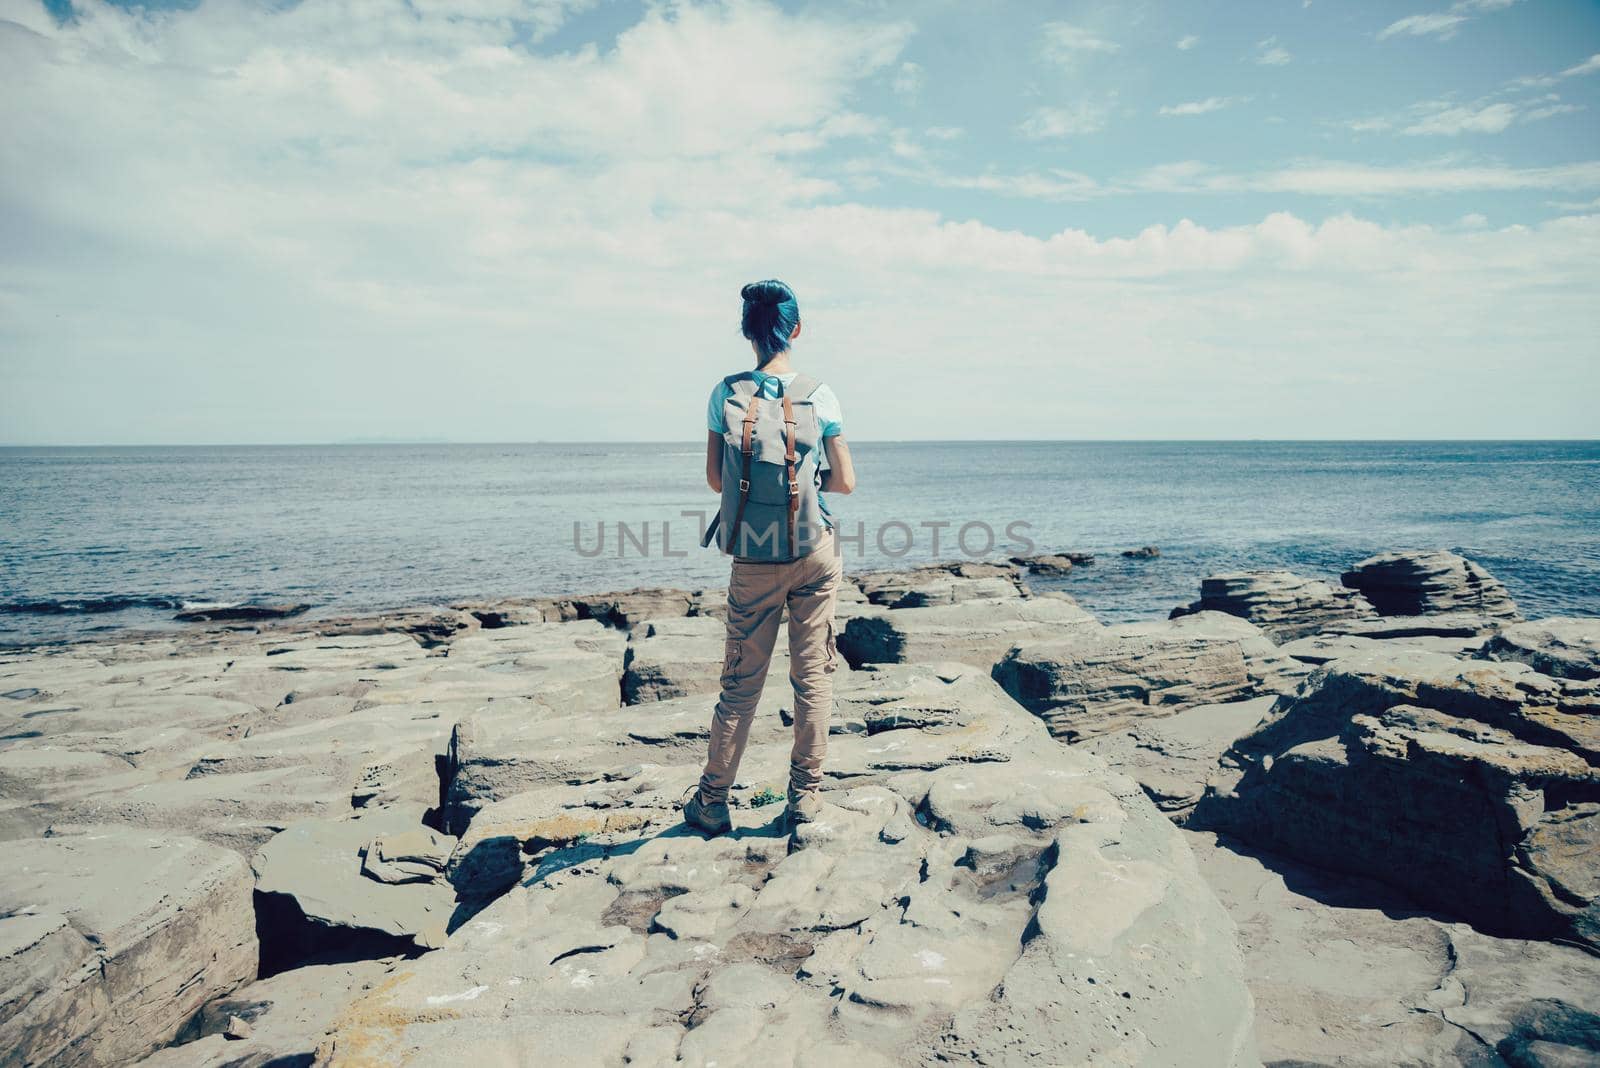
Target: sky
525	220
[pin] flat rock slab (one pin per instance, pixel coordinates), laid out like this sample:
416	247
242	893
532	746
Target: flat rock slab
624	609
975	632
278	1021
958	911
110	942
576	666
239	812
1349	972
925	587
668	659
226	613
676	658
508	748
1323	648
1173	757
1461	625
1564	647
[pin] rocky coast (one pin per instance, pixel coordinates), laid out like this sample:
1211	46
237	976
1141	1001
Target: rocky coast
1342	820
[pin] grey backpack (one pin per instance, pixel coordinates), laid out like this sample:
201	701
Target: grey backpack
772	463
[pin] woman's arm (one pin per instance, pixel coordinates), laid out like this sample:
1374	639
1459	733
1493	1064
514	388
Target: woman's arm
841	474
714	461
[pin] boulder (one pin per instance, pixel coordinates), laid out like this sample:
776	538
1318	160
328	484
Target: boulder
1284	605
977	633
1473	786
952	912
414	855
1424	583
316	894
1144	552
1564	647
1053	565
110	942
1099	680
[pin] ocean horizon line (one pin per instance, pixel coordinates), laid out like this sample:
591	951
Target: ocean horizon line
436	442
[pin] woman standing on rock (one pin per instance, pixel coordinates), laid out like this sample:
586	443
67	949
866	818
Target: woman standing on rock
774	441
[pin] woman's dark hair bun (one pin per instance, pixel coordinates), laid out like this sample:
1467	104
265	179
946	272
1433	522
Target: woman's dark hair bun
770	291
770	316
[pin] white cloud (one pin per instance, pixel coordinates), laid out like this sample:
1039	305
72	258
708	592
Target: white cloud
944	133
1442	25
1051	122
1338	179
1588	66
1442	118
1269	53
908	78
1203	107
1053	185
1491	118
1187	42
1310	177
250	222
1065	43
1549	110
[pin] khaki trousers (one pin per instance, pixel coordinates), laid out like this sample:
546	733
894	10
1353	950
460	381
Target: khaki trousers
758	592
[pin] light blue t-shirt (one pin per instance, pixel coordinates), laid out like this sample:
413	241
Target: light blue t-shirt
826	404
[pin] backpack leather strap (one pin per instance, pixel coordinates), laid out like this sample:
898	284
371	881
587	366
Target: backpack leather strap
789	459
736	535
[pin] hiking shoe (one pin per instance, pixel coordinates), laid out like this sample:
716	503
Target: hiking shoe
709	819
803	808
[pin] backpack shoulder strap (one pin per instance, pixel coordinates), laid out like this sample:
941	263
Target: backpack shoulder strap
743	382
802	387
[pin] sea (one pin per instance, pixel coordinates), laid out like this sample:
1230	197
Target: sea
100	541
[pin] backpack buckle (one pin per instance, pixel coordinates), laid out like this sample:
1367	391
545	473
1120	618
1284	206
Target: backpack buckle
794	487
744	485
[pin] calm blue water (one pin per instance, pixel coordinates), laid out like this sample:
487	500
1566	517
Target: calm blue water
135	532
